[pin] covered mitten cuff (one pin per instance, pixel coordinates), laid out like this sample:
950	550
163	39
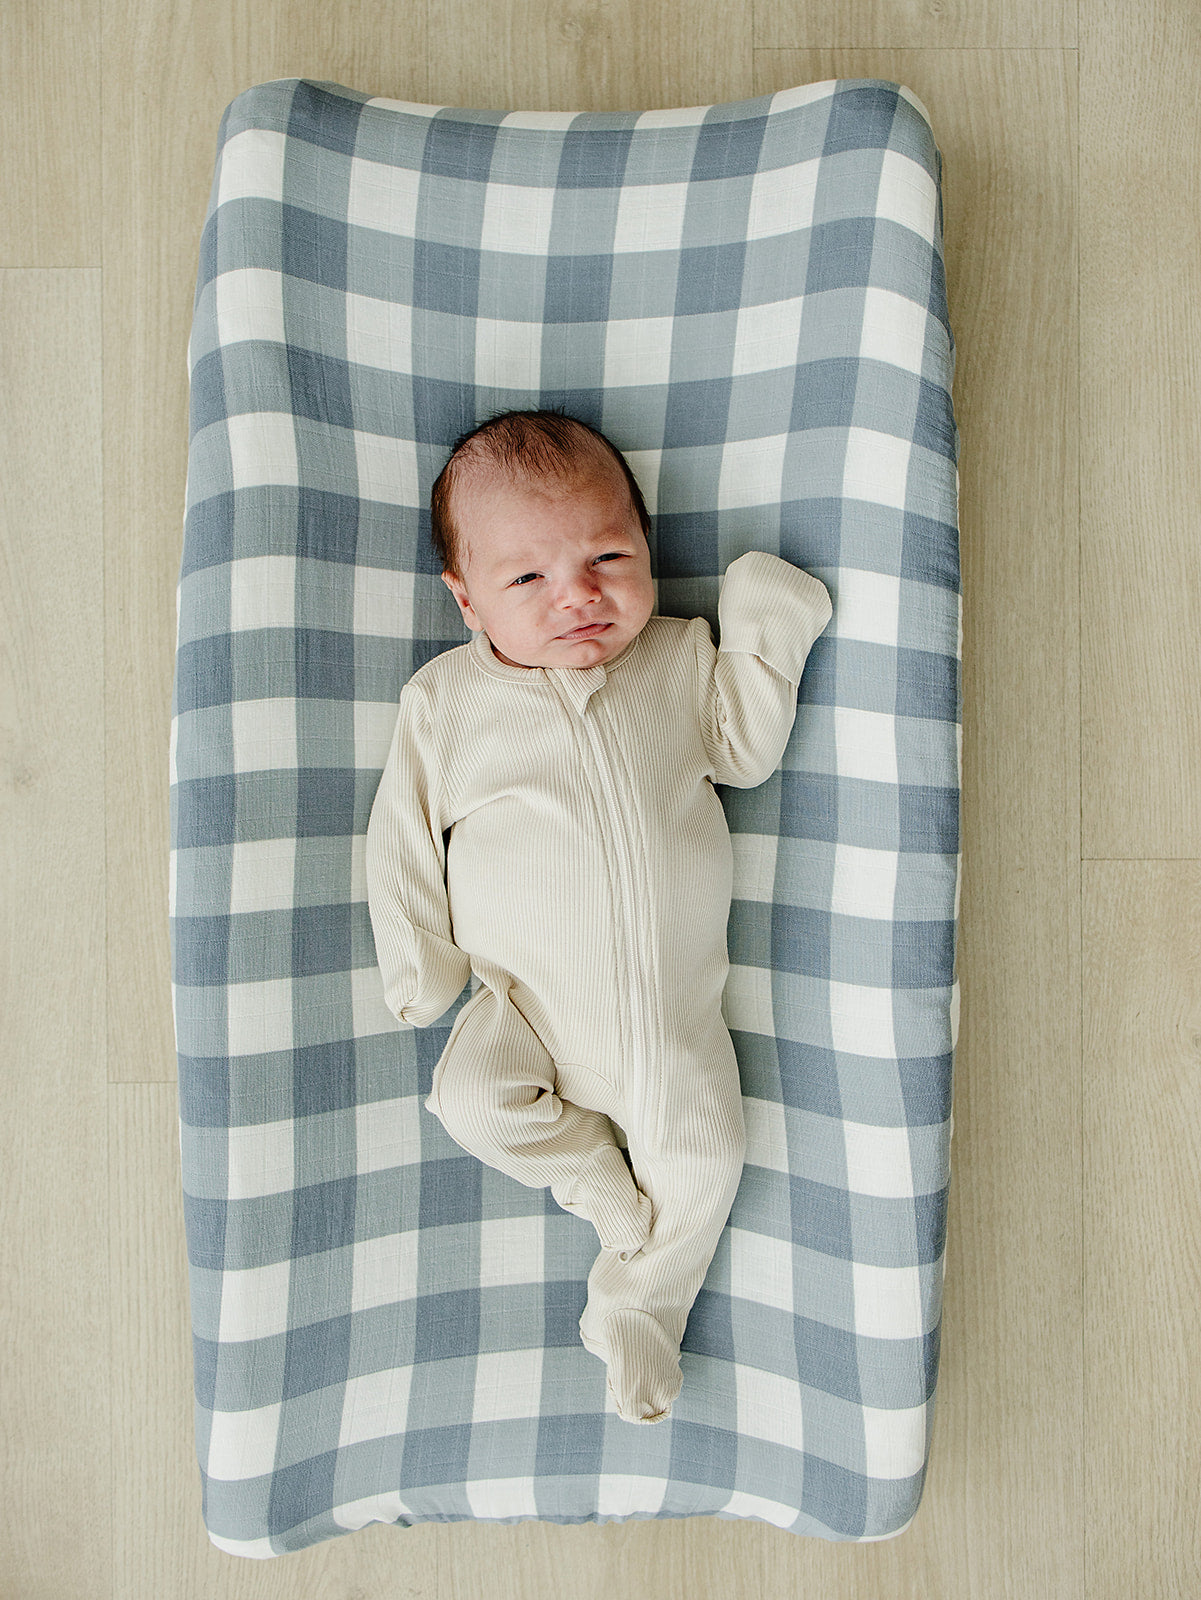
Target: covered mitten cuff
771	609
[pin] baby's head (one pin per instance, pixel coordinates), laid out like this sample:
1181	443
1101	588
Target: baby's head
542	530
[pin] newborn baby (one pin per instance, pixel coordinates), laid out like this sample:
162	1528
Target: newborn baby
570	752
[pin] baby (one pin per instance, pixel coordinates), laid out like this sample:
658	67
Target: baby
569	751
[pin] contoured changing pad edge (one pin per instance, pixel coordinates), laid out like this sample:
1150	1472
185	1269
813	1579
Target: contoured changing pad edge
749	299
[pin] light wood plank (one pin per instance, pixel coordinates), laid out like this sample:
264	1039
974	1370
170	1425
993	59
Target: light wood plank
590	55
49	133
594	1562
169	73
1142	1064
1006	1457
53	1244
915	24
1140	298
160	1549
706	1557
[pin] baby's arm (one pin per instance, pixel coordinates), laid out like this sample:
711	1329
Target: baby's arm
769	613
423	970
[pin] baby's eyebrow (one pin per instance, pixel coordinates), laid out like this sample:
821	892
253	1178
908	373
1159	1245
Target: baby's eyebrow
521	564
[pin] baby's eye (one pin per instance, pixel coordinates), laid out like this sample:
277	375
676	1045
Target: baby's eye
612	555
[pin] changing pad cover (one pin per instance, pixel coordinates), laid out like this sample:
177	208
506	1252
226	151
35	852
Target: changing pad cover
749	300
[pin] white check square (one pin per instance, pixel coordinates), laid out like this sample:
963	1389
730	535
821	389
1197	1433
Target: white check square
865	744
878	1161
252	166
254	1303
638	351
387	468
907	194
869	605
262	593
262	448
264	735
508	1383
508	355
888	1302
865	882
242	1443
384	1270
782	200
379	333
650	216
876	467
861	1021
769	1407
751	472
517	220
894	330
261	1159
766	337
382	196
375	1406
895	1442
761	1269
250	305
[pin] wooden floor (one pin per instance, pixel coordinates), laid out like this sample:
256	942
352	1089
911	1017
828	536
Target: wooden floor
1067	1452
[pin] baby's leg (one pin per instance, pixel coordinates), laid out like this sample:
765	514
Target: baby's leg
494	1093
689	1160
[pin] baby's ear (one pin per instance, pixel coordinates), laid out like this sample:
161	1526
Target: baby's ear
456	588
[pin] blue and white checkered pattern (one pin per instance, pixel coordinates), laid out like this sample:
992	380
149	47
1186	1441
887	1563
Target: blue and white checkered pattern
749	300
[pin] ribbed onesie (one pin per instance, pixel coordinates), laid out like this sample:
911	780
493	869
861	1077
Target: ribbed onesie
586	880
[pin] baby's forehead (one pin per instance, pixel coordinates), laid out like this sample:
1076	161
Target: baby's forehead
588	469
587	457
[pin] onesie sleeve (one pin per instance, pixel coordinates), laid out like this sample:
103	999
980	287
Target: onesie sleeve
769	613
423	970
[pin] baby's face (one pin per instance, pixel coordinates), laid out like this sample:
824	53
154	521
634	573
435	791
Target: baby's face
547	558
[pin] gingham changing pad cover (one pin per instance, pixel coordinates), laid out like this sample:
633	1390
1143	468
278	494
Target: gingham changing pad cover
749	300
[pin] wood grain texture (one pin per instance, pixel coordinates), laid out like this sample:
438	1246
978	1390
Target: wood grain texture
589	55
1140	293
49	168
155	1484
916	24
54	1417
1142	1109
1072	1256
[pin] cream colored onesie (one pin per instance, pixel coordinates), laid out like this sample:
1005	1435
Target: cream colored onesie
587	882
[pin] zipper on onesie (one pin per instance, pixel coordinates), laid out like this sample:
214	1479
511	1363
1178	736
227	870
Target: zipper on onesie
637	930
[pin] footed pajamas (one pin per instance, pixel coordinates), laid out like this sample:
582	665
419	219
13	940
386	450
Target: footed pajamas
555	830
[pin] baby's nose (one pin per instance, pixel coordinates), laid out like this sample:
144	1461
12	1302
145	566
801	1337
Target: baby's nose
580	586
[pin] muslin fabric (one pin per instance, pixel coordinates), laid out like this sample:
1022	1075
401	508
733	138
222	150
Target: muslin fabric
750	300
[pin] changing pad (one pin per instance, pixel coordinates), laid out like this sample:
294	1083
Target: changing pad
749	300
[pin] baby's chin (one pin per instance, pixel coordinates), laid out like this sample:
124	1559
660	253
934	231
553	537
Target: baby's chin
591	652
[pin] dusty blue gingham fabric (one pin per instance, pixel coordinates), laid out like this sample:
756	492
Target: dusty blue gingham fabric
749	299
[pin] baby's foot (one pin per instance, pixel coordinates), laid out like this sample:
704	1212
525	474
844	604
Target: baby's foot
604	1193
644	1365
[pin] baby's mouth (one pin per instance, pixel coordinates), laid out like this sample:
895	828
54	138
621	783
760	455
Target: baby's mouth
588	632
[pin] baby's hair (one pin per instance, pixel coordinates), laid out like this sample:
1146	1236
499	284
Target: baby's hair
518	444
